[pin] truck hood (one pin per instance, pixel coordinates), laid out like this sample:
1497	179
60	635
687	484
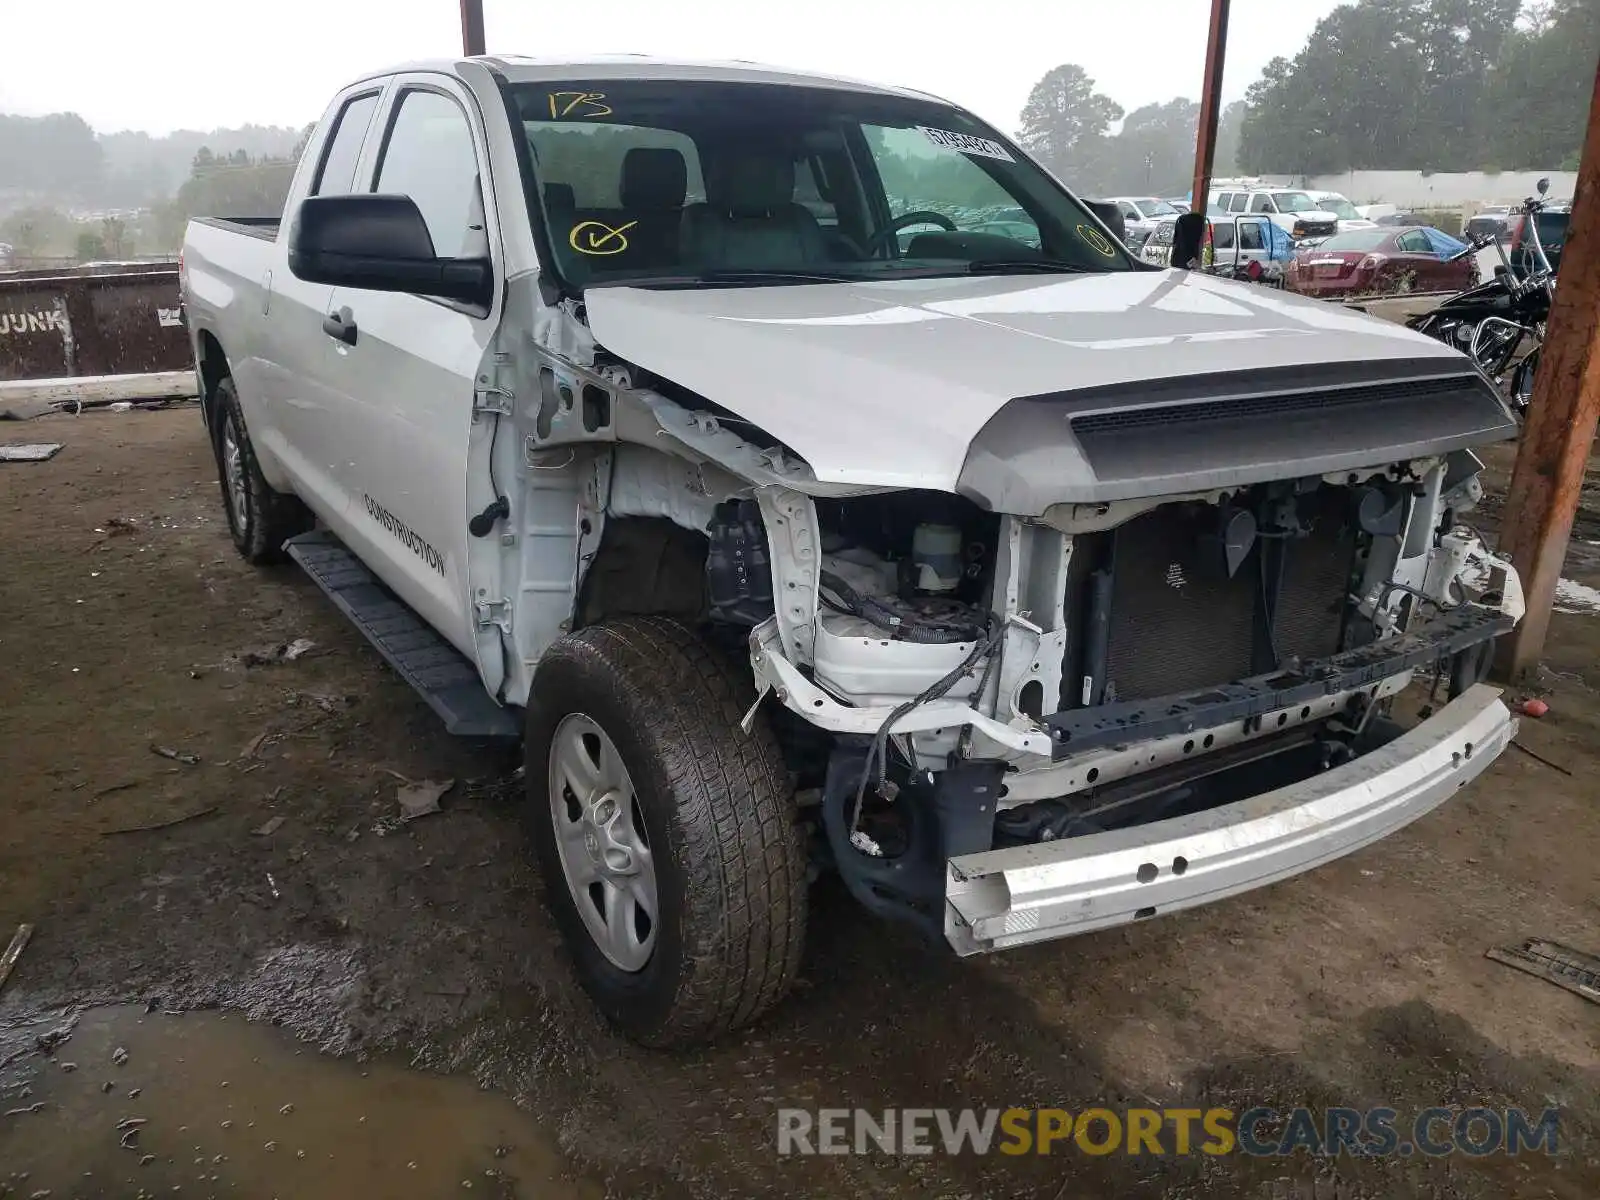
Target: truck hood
889	383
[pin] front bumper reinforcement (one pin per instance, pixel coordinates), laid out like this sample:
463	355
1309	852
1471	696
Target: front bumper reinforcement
1002	898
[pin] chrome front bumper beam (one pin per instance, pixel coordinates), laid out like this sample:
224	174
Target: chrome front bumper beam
1003	898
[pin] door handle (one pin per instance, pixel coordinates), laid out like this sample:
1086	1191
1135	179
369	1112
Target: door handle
341	326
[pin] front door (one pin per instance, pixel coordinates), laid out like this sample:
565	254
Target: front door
409	366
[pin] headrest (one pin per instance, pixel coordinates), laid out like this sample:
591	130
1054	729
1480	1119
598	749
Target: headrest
653	179
750	185
559	197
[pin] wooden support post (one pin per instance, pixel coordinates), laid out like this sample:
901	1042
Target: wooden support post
1205	145
1547	481
472	27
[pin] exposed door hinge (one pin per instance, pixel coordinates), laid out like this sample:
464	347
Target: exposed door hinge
489	399
494	612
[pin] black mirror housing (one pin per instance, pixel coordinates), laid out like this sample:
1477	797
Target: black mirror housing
380	243
1544	186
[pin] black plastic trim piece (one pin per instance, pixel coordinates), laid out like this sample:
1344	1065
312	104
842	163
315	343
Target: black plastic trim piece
1115	724
1226	430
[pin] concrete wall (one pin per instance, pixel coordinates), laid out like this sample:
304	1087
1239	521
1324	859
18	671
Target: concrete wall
1413	189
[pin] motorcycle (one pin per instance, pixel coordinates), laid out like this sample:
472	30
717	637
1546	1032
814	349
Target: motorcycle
1492	320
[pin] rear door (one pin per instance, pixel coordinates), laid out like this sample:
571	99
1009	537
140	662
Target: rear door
293	371
408	382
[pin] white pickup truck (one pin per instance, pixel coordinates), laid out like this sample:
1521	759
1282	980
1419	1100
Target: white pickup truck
1030	589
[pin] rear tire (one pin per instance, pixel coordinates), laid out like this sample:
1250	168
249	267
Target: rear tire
706	808
260	519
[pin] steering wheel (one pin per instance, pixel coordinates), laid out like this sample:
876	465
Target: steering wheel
881	239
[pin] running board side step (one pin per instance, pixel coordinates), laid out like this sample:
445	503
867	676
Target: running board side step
440	673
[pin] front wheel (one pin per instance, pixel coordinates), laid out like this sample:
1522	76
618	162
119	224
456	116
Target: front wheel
667	837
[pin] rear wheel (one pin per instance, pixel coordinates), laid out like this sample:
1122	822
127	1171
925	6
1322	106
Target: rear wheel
667	837
260	519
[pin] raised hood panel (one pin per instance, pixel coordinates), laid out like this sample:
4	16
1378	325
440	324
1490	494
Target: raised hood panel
889	383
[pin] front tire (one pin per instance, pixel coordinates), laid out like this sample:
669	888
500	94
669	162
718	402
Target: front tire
260	519
667	837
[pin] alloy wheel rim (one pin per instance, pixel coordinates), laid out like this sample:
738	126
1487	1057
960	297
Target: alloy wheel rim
602	842
233	472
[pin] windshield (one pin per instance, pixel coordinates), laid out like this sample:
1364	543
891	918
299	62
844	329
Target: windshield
1339	207
1360	239
1294	202
673	182
1156	208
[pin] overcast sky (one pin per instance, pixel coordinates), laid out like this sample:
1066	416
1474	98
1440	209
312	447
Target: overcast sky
199	64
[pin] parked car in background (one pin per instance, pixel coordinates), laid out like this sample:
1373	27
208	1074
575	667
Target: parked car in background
1490	219
1339	206
1234	242
1552	232
1369	261
1141	215
1290	210
1400	219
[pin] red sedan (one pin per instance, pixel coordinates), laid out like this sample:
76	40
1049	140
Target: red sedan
1380	262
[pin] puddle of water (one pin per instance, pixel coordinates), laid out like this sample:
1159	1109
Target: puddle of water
239	1110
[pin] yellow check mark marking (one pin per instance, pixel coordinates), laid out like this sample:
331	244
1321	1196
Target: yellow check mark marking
596	237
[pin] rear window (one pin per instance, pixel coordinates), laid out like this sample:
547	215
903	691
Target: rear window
1360	239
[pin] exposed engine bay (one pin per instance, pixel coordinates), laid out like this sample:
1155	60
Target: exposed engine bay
1115	650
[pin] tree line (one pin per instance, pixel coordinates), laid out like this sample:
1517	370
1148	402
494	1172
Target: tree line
1432	85
54	169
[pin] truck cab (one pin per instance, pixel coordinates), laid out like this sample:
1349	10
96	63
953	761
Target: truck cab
703	426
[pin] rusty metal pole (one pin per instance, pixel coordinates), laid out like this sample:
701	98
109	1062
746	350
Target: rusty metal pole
1547	481
472	27
1205	146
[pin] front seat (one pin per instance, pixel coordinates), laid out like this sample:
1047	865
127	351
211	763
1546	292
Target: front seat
750	220
654	183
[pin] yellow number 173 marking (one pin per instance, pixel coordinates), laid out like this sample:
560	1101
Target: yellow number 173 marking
579	104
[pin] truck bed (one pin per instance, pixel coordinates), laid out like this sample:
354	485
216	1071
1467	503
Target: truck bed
265	228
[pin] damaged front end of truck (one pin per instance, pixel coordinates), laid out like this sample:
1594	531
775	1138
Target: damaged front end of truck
1138	655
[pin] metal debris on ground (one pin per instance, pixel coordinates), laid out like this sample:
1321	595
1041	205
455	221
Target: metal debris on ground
327	703
421	798
191	760
1577	972
270	827
272	885
36	1106
253	746
30	451
119	1055
8	960
281	653
1537	757
192	816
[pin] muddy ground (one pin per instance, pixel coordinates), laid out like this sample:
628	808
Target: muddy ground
432	1037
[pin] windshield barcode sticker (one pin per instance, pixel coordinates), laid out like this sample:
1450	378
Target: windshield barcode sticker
965	143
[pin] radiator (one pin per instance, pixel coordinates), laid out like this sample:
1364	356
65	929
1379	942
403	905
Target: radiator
1179	622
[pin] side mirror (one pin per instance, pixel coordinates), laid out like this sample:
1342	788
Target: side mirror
380	243
1544	186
